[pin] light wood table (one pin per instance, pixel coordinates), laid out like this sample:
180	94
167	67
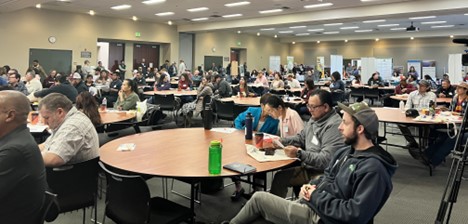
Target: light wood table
405	98
243	101
175	92
109	117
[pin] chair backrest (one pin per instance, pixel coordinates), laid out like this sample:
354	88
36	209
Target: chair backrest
225	109
337	96
165	102
48	200
75	185
127	198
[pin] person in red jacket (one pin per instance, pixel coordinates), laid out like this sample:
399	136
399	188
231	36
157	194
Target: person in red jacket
404	87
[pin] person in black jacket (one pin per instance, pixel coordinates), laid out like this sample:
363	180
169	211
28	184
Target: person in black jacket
355	186
78	83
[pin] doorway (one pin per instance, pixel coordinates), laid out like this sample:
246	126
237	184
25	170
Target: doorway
150	52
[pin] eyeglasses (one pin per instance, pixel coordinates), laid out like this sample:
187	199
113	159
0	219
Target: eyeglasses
312	107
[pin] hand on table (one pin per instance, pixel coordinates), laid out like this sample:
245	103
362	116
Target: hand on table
306	191
441	95
291	151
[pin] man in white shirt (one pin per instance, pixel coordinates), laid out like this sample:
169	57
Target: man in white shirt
33	85
182	67
292	82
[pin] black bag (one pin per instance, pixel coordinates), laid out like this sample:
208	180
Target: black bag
412	113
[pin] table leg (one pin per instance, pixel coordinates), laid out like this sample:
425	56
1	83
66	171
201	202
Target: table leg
423	138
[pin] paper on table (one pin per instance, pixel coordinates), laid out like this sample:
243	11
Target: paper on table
438	118
224	130
261	157
37	128
126	147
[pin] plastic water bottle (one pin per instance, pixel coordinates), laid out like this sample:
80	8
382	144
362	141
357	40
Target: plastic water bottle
248	126
402	105
104	104
214	158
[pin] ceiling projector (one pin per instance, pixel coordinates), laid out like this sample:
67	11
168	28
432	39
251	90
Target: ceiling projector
412	28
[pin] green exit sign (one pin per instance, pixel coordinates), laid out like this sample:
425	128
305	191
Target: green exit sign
137	34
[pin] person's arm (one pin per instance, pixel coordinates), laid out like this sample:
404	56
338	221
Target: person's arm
52	160
9	159
130	102
296	123
297	140
410	88
239	122
63	147
44	92
409	102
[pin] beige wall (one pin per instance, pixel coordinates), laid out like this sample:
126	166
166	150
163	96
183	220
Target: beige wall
258	49
30	28
400	50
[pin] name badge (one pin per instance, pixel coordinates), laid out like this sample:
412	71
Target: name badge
285	128
315	140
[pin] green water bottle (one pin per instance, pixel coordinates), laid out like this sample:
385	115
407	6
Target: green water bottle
214	159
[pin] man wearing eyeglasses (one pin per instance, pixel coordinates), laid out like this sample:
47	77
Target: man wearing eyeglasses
14	81
314	146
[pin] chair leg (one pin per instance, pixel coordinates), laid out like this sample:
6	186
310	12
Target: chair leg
84	215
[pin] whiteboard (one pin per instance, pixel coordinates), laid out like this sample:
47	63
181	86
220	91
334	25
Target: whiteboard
336	64
385	67
275	62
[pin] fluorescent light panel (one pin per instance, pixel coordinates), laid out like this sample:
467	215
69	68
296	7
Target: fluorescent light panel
434	22
267	29
388	25
235	4
200	19
349	28
333	24
362	31
303	34
422	17
375	21
165	14
286	31
398	28
315	30
232	15
270	11
297	27
151	2
443	26
318	5
331	32
121	7
199	9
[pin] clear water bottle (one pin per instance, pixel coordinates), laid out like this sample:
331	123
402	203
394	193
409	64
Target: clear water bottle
248	126
104	104
402	105
215	157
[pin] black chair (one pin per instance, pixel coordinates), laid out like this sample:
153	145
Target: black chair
48	200
166	103
278	92
372	94
224	110
75	185
128	200
357	93
337	96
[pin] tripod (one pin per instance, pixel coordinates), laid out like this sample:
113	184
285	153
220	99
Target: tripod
454	179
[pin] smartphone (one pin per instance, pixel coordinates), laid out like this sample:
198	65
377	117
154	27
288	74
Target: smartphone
270	151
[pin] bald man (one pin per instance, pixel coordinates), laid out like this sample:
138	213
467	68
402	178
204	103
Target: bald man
22	173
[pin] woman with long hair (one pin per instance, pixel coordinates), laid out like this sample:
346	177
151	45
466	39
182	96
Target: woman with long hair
185	83
127	99
163	83
86	103
243	89
309	87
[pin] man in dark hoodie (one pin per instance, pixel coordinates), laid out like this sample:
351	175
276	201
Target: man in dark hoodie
355	186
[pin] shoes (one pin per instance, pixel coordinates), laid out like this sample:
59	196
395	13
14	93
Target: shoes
237	194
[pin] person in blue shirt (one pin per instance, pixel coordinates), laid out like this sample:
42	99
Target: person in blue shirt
261	123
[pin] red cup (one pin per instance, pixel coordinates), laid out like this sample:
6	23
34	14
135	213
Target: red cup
34	118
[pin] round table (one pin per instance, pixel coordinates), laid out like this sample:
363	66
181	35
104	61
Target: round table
108	117
175	92
438	100
244	101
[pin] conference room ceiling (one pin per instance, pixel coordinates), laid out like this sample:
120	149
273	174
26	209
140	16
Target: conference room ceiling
340	20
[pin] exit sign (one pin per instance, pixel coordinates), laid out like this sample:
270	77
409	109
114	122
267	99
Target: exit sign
137	34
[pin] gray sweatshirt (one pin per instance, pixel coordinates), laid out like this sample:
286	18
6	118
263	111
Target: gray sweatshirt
319	140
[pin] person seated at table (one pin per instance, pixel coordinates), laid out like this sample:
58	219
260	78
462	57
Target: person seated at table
404	87
431	81
417	100
261	80
78	83
262	122
194	108
309	87
60	87
412	72
127	99
445	90
32	84
435	154
337	84
375	80
314	146
277	82
103	78
355	186
290	123
292	82
14	80
89	81
74	138
22	174
49	81
139	79
243	89
222	87
87	104
114	88
196	78
185	83
357	81
412	80
446	76
163	83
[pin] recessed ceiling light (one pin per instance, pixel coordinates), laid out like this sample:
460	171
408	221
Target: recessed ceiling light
302	34
443	26
293	42
150	2
286	31
199	9
165	14
258	34
370	0
346	41
134	18
267	29
38	6
398	28
297	27
315	30
349	28
92	12
422	17
232	15
234	4
333	24
362	31
200	19
411	38
318	5
270	11
318	41
276	36
375	21
451	36
388	25
377	39
169	23
331	32
239	32
121	7
434	22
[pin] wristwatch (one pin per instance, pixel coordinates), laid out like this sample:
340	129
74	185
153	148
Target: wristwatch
299	153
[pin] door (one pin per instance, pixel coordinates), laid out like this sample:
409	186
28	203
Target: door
116	54
150	52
